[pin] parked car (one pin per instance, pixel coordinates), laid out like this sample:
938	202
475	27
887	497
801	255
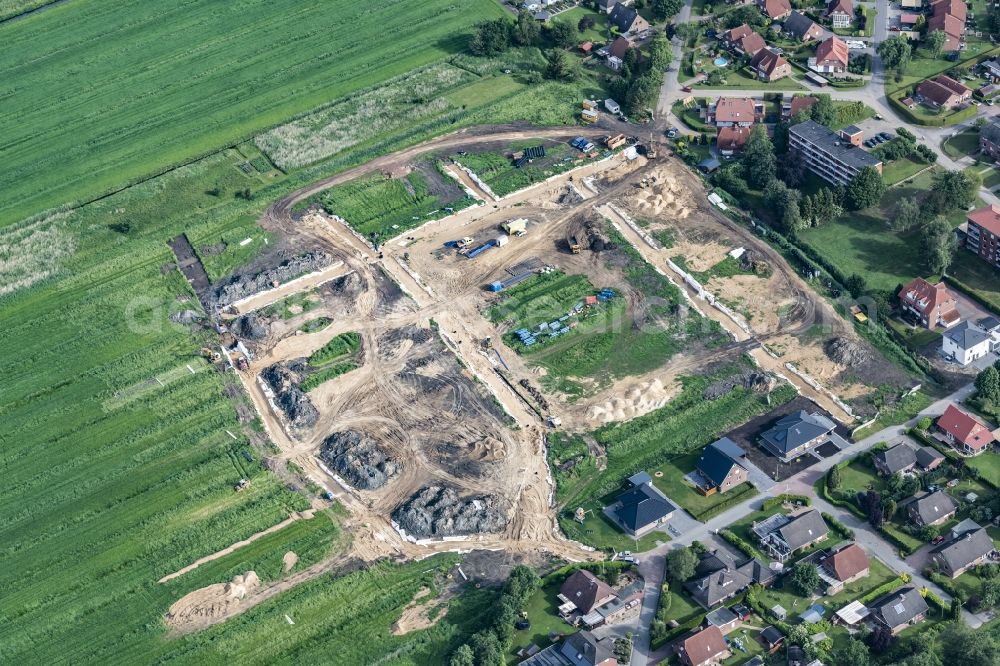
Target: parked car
672	132
885	135
938	539
686	88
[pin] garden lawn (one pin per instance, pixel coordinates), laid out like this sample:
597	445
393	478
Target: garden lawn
597	34
542	609
963	144
988	465
899	170
977	277
741	81
200	76
701	507
598	531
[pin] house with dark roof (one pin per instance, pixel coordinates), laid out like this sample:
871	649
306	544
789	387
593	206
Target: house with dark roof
963	552
965	343
928	458
932	305
720	467
775	10
607	5
895	460
586	591
846	564
703	648
800	27
795	434
770	66
840	13
965	432
580	649
642	508
627	19
932	509
725	619
827	155
898	609
718	578
782	536
989	138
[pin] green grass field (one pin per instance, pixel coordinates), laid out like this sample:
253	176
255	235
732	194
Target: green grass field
965	143
498	171
701	507
78	123
335	358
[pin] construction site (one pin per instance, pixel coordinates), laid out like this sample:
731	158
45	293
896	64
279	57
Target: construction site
428	424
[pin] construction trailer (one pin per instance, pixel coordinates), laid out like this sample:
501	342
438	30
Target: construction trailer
588	116
614	142
517	227
589	105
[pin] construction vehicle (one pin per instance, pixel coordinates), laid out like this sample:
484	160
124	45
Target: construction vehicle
574	245
210	355
244	483
499	241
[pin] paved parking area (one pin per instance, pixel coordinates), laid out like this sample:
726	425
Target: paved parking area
680	523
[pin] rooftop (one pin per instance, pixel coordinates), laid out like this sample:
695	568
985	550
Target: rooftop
813	133
988	217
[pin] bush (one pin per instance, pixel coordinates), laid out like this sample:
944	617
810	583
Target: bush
773	502
842	530
925	423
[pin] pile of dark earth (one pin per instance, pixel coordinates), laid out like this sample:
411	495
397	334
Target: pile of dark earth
753	380
241	286
358	459
439	511
284	379
249	327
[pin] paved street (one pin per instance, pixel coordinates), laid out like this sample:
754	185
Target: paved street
651	566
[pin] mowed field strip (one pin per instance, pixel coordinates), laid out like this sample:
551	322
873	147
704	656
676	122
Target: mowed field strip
78	121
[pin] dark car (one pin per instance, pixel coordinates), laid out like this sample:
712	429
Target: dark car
521	625
938	539
885	136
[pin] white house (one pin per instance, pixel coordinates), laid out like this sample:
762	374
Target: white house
965	343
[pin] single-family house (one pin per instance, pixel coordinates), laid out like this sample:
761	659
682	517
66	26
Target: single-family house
795	434
963	552
932	304
846	564
586	591
770	66
627	19
832	57
956	8
895	460
742	40
607	6
800	27
735	112
730	140
718	578
989	139
642	508
619	47
943	92
704	648
782	536
898	609
928	458
933	508
791	107
720	463
776	10
949	17
840	13
965	343
580	649
965	432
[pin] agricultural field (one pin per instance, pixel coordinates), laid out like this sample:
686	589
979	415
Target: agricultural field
382	207
10	8
206	77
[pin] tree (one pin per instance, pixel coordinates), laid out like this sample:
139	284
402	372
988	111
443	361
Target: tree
748	14
990	595
681	564
961	645
889	508
833	478
559	67
527	31
880	639
988	384
562	33
871	502
938	244
792	170
804	579
759	164
661	53
664	9
856	285
585	23
865	189
853	653
642	91
491	37
463	656
486	649
522	582
822	111
895	52
907	215
935	42
784	204
953	190
956	609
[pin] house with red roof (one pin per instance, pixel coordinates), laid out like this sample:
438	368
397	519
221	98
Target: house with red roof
949	17
932	304
732	139
966	433
832	57
775	10
735	112
790	108
845	565
943	92
704	648
982	234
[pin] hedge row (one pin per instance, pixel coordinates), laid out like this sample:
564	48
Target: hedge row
936	601
905	550
884	589
945	584
836	501
748	549
758	607
840	528
745	493
773	502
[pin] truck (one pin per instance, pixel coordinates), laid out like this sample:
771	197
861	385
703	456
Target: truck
574	245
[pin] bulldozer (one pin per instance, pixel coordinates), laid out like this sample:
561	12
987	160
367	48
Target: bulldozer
210	355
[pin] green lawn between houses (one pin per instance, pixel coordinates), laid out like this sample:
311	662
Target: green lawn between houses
701	507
